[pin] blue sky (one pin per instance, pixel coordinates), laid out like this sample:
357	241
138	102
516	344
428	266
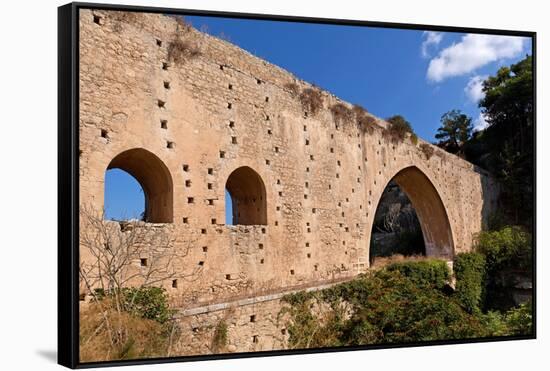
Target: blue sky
420	75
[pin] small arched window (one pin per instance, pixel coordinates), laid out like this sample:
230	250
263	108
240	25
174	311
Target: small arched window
246	198
153	177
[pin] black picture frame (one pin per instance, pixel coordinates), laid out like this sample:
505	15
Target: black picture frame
68	179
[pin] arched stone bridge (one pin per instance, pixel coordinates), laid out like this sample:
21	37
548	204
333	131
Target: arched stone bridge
305	187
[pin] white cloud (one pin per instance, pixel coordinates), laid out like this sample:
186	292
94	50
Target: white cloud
474	88
480	123
432	38
472	52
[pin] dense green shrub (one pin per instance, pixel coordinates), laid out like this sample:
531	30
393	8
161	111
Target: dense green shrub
429	272
520	319
404	302
507	248
469	269
147	302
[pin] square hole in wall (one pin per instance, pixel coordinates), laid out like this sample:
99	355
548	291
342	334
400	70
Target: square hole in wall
231	124
278	208
255	337
337	175
229	105
261	261
167	85
104	134
222	154
185	220
210	171
331	150
188	183
313	210
213	221
205	249
276	149
306	184
190	200
175	284
278	181
311	157
253	318
269	131
210	201
305	197
266	117
258	81
276	223
308	255
164	124
315	267
267	162
233	140
170	145
280	194
308	230
260	246
201	263
143	262
266	99
329	186
283	331
230	86
98	19
307	169
292	272
203	231
263	230
185	167
305	128
307	142
209	185
227	276
307	244
161	103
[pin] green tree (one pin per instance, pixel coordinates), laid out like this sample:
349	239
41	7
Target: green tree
505	147
456	129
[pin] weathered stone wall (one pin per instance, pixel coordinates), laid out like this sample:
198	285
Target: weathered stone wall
251	327
224	109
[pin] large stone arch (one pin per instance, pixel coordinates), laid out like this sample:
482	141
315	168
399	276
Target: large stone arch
431	212
155	179
248	196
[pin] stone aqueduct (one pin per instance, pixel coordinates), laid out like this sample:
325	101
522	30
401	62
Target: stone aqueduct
305	189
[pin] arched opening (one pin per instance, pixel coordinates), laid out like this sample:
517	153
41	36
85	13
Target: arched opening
245	197
153	177
396	229
124	196
411	219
